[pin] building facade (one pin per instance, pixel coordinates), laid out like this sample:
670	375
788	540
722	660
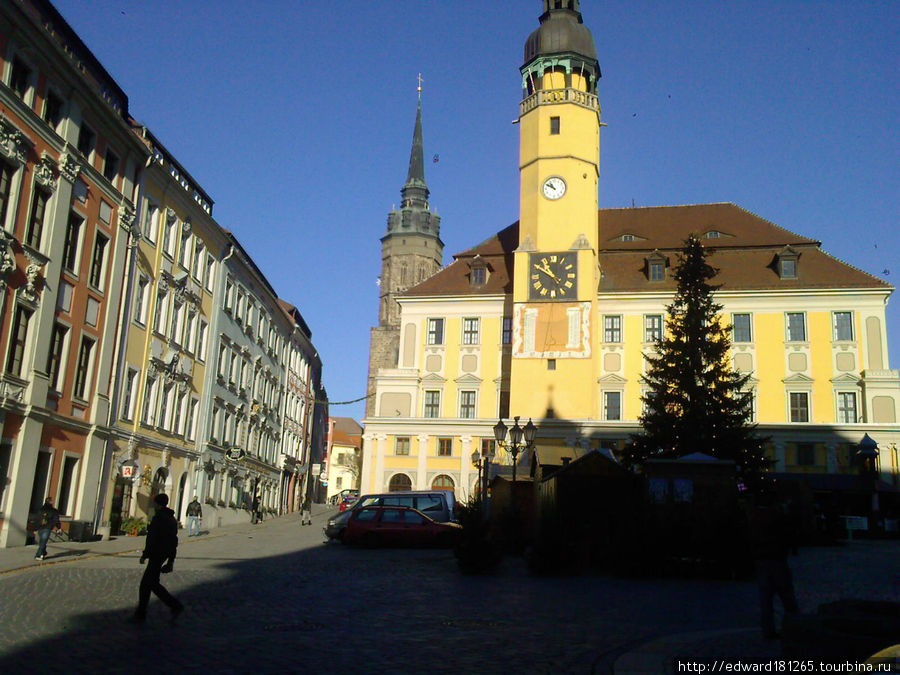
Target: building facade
550	318
344	458
142	350
69	169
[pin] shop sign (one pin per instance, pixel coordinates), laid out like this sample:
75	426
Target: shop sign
129	470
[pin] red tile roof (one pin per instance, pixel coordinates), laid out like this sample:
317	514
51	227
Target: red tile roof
745	252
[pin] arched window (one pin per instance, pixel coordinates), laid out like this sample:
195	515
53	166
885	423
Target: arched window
400	482
442	482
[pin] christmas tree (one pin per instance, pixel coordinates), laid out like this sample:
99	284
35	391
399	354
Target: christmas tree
695	400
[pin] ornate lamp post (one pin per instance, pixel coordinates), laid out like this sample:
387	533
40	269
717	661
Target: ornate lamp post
516	434
867	457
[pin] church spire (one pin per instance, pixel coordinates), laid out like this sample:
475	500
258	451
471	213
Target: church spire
415	191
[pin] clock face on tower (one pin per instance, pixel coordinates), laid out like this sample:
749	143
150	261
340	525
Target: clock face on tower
553	276
554	187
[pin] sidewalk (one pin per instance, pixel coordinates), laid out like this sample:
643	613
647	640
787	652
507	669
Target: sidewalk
664	654
58	552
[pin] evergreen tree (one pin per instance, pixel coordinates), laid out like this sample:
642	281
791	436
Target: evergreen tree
695	401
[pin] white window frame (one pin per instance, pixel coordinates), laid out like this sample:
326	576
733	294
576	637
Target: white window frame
836	327
787	327
433	336
734	335
471	330
612	327
463	394
790	416
840	409
606	395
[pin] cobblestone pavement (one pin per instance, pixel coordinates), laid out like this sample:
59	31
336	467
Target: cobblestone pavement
274	597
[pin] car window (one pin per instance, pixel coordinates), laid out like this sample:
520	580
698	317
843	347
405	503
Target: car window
368	501
430	503
392	516
413	518
366	514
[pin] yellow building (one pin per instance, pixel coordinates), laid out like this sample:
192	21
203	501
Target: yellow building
549	318
166	330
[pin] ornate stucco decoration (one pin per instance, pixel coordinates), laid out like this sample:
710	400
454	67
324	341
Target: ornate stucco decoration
170	216
45	172
13	143
69	167
172	370
186	226
184	291
10	391
33	285
7	256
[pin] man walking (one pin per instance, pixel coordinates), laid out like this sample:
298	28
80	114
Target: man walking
771	539
306	511
159	552
48	519
194	514
254	510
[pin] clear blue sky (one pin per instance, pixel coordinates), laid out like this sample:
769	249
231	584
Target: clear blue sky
297	117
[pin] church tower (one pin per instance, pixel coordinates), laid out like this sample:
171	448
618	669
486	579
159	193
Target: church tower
556	269
411	251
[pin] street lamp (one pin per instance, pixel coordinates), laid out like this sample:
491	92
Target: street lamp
516	434
482	462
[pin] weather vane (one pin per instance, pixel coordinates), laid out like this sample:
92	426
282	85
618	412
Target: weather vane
419	87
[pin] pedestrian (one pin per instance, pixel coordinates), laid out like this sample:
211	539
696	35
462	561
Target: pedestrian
160	549
772	539
254	510
306	511
48	519
194	514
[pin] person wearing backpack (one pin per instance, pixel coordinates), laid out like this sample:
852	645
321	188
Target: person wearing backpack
48	519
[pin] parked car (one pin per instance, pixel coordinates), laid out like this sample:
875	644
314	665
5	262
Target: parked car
397	526
344	494
439	505
346	503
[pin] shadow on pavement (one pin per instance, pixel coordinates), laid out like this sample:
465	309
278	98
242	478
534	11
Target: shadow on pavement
331	609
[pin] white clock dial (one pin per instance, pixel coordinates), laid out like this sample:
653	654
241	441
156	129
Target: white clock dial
554	187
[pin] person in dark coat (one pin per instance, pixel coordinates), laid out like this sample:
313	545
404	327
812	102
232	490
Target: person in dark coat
254	510
771	537
160	549
306	511
48	519
194	514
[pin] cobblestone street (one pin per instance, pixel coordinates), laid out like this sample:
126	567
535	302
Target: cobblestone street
273	597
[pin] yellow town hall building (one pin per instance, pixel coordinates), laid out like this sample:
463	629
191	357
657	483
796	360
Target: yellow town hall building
550	317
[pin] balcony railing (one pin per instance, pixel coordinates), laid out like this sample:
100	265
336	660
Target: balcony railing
549	96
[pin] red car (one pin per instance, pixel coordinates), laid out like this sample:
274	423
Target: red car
347	502
398	526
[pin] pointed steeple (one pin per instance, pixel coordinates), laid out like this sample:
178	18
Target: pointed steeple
415	191
414	214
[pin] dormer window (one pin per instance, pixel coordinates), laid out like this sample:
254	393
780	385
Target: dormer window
712	234
627	237
478	272
787	263
656	264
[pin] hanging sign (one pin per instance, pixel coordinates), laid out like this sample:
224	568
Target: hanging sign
129	470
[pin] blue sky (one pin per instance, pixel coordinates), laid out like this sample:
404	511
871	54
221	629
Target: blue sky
297	117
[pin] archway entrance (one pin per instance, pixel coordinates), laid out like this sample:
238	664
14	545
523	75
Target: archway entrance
400	483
